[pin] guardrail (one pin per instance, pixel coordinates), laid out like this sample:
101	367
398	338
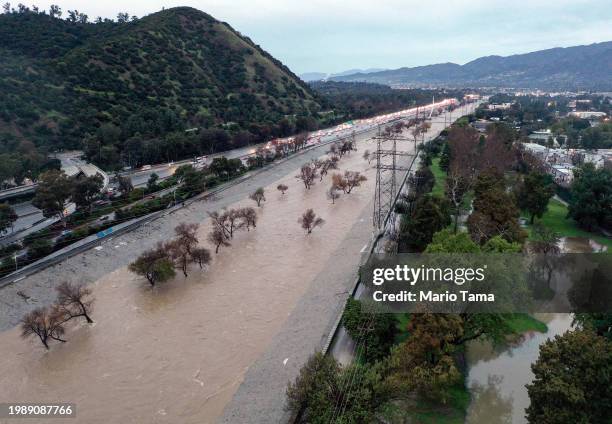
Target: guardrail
17	191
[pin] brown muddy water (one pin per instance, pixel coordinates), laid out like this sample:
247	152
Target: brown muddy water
497	377
178	352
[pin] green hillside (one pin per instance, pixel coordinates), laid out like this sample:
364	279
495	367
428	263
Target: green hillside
126	92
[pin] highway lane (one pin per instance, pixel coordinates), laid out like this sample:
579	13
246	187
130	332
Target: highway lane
140	177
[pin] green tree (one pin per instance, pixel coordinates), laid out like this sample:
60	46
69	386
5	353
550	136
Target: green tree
315	389
424	363
53	190
323	392
154	264
152	182
85	190
591	197
498	244
534	193
39	248
375	330
125	185
445	157
601	323
495	212
7	217
431	214
446	241
424	181
573	377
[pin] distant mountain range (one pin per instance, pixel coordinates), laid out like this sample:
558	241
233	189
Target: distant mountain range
318	76
571	68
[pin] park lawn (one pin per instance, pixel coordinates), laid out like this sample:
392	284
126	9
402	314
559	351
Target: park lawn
523	323
440	184
556	219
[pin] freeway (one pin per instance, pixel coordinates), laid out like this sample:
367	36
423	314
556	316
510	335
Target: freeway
140	176
31	218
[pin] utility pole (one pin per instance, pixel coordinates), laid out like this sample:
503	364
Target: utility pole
386	190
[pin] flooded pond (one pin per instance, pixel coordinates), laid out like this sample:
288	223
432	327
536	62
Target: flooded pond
580	245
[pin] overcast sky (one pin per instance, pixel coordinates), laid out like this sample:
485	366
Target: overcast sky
335	35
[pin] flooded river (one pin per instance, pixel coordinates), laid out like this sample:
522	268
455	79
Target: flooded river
497	377
178	352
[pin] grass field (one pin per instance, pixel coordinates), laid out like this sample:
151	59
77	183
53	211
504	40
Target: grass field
556	219
523	323
438	189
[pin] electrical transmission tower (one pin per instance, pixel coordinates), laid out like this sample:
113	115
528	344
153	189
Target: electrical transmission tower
386	173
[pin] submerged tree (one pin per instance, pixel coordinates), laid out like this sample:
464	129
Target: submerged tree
258	196
74	301
353	179
307	175
218	238
333	194
201	256
154	264
282	188
249	217
309	220
46	323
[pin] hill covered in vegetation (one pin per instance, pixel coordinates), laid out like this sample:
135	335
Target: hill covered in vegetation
127	91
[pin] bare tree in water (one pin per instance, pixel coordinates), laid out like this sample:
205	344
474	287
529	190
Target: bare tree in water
258	196
218	238
74	301
309	221
282	188
249	217
307	175
45	323
333	194
201	256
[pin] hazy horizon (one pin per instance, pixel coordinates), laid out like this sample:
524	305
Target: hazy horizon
332	37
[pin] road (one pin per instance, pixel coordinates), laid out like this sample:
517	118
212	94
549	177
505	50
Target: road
31	218
140	177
